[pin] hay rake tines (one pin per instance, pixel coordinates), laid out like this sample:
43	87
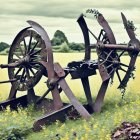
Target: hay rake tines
31	57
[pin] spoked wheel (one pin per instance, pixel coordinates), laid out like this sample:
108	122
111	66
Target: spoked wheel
112	61
27	50
113	64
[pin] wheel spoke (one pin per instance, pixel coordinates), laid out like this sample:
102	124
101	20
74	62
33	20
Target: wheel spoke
32	71
121	53
30	42
34	67
106	59
34	47
118	75
18	71
21	51
36	52
22	75
109	55
111	71
17	55
27	73
14	60
109	66
25	46
124	65
122	69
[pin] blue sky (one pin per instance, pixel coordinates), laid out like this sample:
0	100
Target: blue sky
62	15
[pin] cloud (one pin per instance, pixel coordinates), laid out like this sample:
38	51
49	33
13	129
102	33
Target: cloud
62	14
61	8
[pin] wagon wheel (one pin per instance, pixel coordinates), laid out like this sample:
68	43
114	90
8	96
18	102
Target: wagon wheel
110	59
106	36
27	49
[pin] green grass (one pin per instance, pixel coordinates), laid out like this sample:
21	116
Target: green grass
114	111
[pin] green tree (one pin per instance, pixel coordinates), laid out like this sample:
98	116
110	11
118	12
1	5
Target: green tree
76	46
59	38
3	46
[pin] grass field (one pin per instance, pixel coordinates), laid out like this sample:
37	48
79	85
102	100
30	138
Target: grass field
15	125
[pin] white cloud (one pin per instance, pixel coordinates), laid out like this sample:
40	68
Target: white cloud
62	15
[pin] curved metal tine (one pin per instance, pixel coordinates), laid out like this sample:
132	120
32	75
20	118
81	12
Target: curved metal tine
83	25
101	20
118	75
130	31
51	73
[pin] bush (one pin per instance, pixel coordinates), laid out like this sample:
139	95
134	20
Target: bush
3	46
76	46
59	38
64	47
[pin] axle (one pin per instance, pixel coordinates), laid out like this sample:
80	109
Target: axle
133	45
22	61
7	81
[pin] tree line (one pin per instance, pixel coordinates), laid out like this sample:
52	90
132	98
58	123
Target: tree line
59	42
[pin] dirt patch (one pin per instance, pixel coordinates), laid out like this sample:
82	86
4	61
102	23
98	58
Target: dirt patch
127	131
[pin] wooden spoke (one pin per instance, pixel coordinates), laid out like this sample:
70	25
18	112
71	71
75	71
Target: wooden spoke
22	75
18	71
109	66
111	71
27	73
25	46
34	47
118	75
109	55
21	51
17	55
32	71
36	52
121	53
106	59
30	43
34	67
122	69
124	65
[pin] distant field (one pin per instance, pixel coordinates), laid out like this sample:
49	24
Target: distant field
14	125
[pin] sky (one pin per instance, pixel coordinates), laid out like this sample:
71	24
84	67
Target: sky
62	15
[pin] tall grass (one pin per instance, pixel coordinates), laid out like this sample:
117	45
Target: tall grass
114	111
